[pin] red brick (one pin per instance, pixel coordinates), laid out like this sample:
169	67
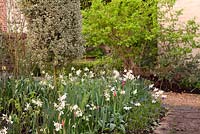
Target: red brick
3	14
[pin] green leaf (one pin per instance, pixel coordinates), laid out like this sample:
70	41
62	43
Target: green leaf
122	128
112	126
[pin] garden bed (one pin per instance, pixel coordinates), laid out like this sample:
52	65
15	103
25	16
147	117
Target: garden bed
82	102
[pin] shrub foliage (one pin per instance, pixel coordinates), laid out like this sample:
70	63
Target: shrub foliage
54	30
129	27
145	33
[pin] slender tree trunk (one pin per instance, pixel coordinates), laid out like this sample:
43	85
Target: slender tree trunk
55	76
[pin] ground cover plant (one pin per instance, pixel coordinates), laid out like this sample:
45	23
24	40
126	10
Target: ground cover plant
84	102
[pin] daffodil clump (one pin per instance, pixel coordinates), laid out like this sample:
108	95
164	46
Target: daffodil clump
83	102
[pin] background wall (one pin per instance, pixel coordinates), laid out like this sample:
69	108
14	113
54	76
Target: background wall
10	17
191	9
3	15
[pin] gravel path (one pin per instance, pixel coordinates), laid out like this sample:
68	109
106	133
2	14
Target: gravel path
183	116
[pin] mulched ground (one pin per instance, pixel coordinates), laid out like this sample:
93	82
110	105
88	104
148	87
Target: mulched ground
183	116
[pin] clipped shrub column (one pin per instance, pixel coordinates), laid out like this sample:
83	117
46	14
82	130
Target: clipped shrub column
54	31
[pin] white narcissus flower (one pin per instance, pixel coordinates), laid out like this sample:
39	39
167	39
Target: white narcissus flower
78	72
91	74
78	113
75	107
107	99
72	69
155	89
124	79
51	86
86	69
93	107
137	104
129	75
43	72
61	76
62	97
37	102
82	80
43	83
62	103
61	113
56	105
48	77
57	126
4	130
85	74
153	101
151	86
122	92
135	91
63	82
60	106
112	89
107	96
3	68
70	74
85	118
87	105
155	96
10	120
34	101
127	108
160	92
74	126
102	72
116	74
7	119
130	71
28	105
4	117
72	78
